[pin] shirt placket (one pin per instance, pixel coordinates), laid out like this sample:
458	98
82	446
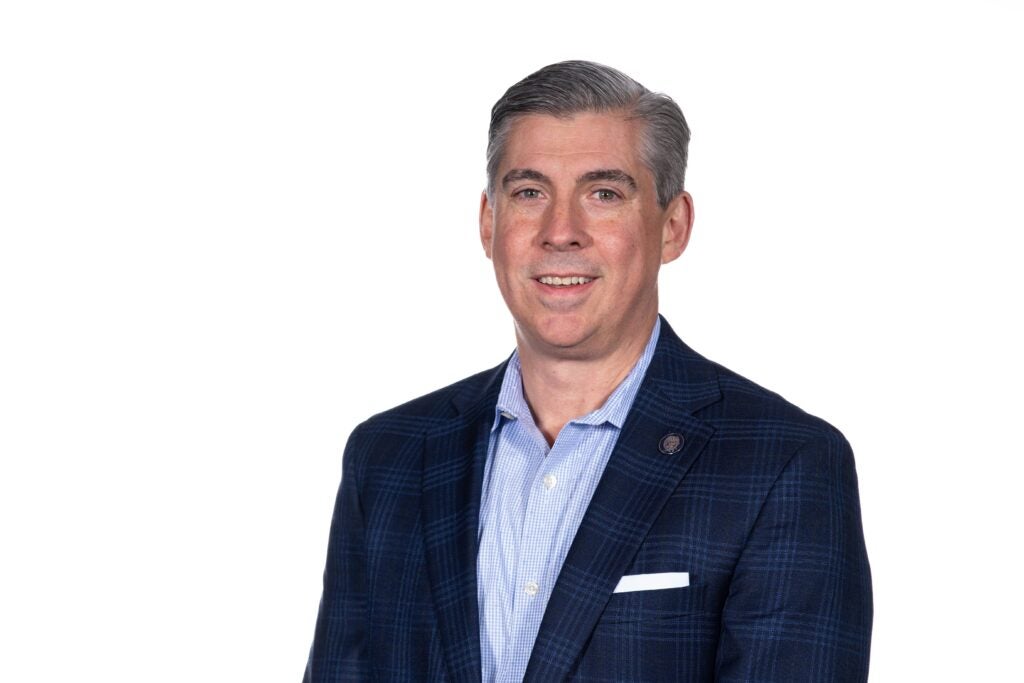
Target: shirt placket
546	506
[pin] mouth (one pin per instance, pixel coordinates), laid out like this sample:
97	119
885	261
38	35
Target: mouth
565	280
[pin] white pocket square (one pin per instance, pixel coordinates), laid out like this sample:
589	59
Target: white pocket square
651	582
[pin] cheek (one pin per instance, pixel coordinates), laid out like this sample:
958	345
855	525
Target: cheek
511	245
624	250
508	264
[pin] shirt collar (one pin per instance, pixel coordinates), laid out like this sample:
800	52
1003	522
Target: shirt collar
512	404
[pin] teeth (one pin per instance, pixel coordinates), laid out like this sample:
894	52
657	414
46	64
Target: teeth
565	281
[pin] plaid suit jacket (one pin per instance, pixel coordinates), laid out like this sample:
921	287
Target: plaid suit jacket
759	506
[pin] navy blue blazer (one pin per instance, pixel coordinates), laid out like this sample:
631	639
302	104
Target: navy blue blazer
759	506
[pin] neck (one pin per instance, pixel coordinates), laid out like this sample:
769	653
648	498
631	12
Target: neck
560	389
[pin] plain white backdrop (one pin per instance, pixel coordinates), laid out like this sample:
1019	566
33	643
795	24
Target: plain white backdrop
233	230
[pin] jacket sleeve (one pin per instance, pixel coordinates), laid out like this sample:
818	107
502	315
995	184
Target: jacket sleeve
339	641
799	604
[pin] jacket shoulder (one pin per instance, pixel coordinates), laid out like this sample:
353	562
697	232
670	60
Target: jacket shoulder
746	401
732	403
409	422
440	404
758	432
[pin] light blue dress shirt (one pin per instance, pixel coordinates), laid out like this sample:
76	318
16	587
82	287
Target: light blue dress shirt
533	500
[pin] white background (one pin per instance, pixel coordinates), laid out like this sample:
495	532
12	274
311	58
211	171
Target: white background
233	230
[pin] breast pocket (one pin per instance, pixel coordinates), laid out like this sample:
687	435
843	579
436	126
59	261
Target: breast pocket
656	635
652	605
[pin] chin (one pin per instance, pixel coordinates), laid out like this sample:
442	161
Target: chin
565	333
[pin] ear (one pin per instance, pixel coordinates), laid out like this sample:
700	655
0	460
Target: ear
486	223
675	233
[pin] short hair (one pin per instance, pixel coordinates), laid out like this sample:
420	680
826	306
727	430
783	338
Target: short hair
572	87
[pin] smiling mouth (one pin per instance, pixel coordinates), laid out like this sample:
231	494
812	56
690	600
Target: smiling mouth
567	281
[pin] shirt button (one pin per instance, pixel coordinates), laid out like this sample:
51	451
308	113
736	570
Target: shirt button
550	481
531	588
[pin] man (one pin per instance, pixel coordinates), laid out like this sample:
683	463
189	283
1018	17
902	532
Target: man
606	505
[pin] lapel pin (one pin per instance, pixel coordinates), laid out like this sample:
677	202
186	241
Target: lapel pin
670	443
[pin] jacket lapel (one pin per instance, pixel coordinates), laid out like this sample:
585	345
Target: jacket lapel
455	453
640	476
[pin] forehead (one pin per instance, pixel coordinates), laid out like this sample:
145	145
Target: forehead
585	140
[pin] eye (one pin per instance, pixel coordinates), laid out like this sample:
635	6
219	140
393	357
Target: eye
527	193
606	195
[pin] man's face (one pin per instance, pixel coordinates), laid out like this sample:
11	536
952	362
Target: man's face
576	234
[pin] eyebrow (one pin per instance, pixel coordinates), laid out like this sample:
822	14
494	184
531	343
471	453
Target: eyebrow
613	175
517	174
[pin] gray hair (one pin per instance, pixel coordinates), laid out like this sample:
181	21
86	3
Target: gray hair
568	88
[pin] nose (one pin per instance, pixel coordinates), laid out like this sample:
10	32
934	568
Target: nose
564	227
